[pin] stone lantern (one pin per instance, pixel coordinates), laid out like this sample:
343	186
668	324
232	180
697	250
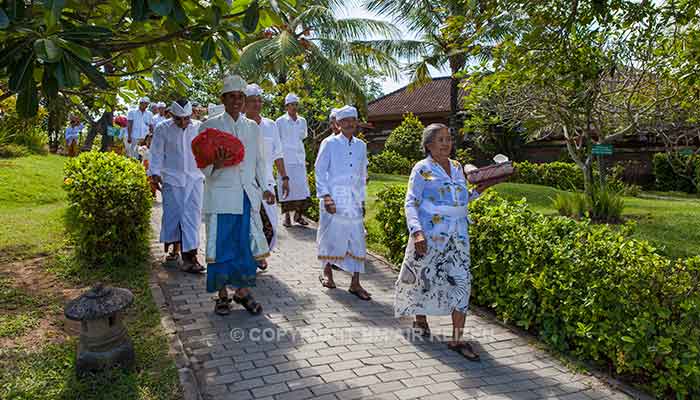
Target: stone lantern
104	342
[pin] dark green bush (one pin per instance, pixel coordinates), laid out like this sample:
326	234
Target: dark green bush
406	138
675	172
12	150
568	176
110	209
312	211
606	205
390	162
585	289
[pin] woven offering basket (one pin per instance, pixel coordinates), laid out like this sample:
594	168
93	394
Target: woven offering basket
491	173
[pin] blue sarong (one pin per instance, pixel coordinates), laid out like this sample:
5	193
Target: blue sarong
235	265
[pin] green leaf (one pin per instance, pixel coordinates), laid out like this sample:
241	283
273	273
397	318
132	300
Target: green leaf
16	10
208	49
93	74
7	54
179	13
161	7
214	15
53	11
139	10
49	84
22	73
4	19
87	33
225	50
627	339
28	100
78	50
47	50
67	74
250	20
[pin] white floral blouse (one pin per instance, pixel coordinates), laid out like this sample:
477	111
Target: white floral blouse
428	186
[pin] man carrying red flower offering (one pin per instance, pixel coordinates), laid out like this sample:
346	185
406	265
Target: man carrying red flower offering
232	197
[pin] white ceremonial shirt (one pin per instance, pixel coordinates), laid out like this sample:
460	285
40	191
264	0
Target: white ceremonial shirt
171	154
273	147
292	133
341	172
140	124
157	119
224	188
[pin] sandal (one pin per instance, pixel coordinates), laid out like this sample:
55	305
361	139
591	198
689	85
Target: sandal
300	220
327	283
222	306
262	265
422	328
249	304
459	347
361	294
193	267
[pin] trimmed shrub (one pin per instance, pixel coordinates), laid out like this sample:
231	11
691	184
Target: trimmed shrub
390	162
585	289
568	176
405	139
110	209
666	172
27	132
463	156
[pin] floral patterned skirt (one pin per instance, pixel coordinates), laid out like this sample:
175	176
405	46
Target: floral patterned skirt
435	284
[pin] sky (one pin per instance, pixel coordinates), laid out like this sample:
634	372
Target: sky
355	10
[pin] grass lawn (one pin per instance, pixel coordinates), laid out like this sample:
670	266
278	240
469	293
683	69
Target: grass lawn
37	358
673	225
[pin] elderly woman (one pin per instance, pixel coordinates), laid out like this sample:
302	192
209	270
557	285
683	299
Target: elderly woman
435	277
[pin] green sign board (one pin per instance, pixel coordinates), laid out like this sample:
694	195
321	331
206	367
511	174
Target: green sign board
602	149
686	152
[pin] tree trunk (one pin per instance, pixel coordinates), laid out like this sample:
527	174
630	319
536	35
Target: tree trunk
99	126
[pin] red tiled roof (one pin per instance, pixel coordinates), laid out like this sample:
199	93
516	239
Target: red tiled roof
433	97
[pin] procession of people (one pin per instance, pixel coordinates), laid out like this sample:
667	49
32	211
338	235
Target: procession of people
237	194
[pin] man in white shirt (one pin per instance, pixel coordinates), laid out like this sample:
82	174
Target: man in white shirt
160	114
273	157
293	130
174	170
341	175
140	124
73	135
232	199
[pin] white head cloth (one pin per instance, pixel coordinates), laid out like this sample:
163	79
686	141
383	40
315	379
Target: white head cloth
180	111
233	83
346	112
253	90
334	114
161	104
291	98
144	100
214	109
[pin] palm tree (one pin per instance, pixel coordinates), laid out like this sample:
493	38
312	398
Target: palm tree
444	48
310	29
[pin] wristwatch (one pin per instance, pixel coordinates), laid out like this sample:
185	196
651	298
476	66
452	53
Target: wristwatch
285	178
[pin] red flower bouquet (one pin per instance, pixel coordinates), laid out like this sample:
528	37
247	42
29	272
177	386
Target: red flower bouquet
205	144
121	121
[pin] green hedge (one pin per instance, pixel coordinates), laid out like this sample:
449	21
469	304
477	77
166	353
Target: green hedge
567	176
585	289
390	162
312	211
667	178
110	209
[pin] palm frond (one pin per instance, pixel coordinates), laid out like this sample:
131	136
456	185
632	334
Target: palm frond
360	53
418	16
356	29
252	59
335	75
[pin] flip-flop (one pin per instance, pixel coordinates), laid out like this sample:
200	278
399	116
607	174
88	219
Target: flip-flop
193	268
324	282
359	294
247	301
464	345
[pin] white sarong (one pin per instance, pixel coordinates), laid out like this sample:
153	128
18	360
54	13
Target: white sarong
298	183
341	238
182	214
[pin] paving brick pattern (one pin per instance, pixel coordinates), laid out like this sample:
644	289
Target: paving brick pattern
315	343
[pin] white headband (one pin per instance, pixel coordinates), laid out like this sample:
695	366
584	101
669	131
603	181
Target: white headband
253	90
233	83
144	100
180	111
291	98
346	112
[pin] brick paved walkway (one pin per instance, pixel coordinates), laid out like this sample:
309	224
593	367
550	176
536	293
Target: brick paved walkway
317	343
